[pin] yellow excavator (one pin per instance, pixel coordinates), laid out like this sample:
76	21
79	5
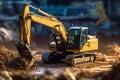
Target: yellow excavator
70	47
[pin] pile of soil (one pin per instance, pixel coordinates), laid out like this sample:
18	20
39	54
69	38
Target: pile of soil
20	63
109	45
11	60
111	49
114	74
5	56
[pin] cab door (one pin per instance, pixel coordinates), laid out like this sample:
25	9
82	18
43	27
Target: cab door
83	37
73	40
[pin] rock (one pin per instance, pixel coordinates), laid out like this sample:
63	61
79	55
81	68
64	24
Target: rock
114	74
47	76
5	75
7	35
67	75
83	75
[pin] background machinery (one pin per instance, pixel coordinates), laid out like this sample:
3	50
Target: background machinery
70	47
103	20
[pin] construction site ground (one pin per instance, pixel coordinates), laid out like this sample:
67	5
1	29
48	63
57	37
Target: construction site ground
108	55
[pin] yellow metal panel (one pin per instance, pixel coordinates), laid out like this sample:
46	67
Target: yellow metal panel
55	25
25	25
88	46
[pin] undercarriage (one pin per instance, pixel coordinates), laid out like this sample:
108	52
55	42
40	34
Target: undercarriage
70	59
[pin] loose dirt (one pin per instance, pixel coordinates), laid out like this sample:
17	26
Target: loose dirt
5	56
109	45
19	63
11	60
107	55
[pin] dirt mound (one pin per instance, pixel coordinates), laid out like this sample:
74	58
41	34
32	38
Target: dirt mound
114	74
10	60
5	56
109	45
110	49
20	63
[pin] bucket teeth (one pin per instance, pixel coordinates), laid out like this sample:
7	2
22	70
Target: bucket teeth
24	51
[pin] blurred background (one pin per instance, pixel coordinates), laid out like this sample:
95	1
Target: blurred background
98	15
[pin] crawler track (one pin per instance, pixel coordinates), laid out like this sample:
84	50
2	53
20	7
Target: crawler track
76	60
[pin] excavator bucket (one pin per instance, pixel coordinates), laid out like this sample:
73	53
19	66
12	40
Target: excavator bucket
26	53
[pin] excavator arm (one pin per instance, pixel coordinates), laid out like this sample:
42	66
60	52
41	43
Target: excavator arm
101	13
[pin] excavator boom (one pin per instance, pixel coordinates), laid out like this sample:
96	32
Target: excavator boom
44	18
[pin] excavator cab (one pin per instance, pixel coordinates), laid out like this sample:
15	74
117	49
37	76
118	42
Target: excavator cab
77	37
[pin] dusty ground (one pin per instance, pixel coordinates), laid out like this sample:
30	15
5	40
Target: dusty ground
107	55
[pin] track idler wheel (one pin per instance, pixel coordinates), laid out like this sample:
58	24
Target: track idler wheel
69	60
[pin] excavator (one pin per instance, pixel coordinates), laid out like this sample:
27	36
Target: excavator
71	47
103	18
